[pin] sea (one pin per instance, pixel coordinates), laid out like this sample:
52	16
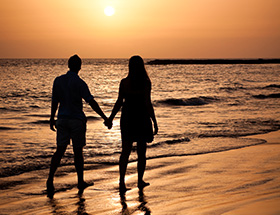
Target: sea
199	108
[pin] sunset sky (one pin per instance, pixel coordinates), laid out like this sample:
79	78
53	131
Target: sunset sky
151	28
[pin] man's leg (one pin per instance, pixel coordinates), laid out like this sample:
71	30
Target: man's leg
60	150
79	165
78	135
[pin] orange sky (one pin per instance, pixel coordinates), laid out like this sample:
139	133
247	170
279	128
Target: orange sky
151	28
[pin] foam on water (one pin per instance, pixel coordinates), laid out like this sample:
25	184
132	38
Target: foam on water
201	100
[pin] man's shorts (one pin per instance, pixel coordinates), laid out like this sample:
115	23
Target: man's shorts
74	129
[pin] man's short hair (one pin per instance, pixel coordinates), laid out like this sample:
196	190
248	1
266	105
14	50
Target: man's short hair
74	63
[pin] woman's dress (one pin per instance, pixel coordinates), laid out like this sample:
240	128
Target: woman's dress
136	125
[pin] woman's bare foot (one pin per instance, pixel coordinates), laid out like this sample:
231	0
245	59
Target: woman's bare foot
83	186
142	184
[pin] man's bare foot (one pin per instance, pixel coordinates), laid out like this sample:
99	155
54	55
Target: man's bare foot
50	189
122	188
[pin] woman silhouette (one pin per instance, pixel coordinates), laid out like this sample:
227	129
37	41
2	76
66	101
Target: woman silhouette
137	112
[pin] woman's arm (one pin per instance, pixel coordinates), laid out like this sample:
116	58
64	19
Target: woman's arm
118	103
150	108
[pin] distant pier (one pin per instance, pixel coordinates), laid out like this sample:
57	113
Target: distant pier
213	61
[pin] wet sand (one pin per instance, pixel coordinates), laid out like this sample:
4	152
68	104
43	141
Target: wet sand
235	182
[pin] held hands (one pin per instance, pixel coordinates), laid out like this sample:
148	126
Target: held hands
109	123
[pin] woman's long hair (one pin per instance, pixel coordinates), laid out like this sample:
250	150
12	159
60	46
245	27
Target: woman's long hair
137	73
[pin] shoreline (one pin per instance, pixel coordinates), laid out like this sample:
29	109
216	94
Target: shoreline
272	137
234	182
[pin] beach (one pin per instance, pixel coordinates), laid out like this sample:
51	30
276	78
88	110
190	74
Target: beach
238	181
209	88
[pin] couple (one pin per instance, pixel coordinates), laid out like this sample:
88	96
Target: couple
136	126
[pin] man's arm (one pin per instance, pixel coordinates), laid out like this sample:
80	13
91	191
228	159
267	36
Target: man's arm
94	105
53	111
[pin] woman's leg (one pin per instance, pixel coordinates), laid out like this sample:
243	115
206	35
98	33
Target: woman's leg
141	165
126	150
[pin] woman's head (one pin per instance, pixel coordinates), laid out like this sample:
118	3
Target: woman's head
136	65
137	71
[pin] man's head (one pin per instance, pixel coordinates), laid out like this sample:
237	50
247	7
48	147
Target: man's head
75	63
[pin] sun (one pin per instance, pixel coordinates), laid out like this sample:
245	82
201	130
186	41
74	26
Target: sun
109	11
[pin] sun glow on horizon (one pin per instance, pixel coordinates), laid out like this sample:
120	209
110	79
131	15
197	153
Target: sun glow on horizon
109	11
115	28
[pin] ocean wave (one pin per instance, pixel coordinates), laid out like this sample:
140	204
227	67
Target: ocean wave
20	165
262	96
44	122
237	128
173	141
196	101
272	86
34	106
13	109
232	88
92	118
235	88
27	94
5	128
187	147
39	115
17	169
3	109
215	145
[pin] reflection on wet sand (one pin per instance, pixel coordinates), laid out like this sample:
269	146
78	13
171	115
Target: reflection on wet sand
60	208
141	207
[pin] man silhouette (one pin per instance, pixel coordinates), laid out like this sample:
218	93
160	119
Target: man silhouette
68	91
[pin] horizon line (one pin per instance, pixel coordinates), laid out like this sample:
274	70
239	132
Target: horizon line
155	58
